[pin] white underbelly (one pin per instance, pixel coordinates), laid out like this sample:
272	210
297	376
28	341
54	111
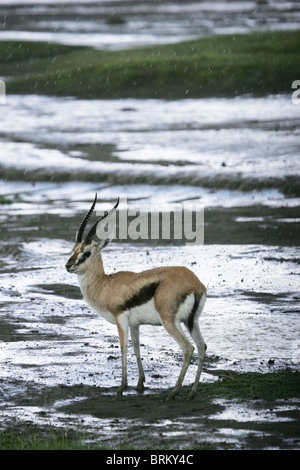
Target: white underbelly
145	314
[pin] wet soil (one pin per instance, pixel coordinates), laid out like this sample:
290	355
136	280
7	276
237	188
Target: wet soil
230	411
44	318
149	421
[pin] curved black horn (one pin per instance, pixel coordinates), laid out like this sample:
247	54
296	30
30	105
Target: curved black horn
79	233
92	231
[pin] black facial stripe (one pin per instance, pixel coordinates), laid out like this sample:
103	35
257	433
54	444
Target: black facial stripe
144	295
83	257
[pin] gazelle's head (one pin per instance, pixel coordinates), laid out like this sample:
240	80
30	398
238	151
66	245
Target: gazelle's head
84	251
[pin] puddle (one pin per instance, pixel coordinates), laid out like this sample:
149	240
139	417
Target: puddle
254	412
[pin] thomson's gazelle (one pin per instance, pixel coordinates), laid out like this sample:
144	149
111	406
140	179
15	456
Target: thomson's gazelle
165	296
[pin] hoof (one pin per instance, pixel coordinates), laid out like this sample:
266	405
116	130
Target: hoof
172	394
120	390
192	394
140	387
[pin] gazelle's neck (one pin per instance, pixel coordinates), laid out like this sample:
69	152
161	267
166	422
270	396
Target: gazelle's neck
96	266
92	282
95	271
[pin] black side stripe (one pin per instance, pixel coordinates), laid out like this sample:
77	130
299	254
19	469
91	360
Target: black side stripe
144	295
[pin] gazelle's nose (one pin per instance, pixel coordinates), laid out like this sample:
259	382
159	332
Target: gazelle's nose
69	266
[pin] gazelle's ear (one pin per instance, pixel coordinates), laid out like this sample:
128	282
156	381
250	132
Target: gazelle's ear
106	240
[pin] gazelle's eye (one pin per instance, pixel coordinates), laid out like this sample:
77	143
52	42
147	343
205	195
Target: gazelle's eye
83	257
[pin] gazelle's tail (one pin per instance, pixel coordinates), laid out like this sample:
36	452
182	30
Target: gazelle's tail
199	302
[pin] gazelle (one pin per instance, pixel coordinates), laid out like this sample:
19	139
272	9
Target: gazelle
165	296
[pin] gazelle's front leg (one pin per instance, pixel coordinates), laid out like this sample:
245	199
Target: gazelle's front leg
135	337
122	325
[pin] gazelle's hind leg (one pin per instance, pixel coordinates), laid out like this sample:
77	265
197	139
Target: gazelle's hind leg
201	347
200	343
174	329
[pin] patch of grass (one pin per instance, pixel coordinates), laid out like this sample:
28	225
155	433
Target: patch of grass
33	440
254	385
61	440
115	19
228	65
4	200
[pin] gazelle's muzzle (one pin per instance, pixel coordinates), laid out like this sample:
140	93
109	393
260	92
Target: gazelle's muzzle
70	266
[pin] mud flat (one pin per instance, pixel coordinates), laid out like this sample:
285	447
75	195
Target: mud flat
60	363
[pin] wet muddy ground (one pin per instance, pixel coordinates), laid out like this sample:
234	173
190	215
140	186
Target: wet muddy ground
60	362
